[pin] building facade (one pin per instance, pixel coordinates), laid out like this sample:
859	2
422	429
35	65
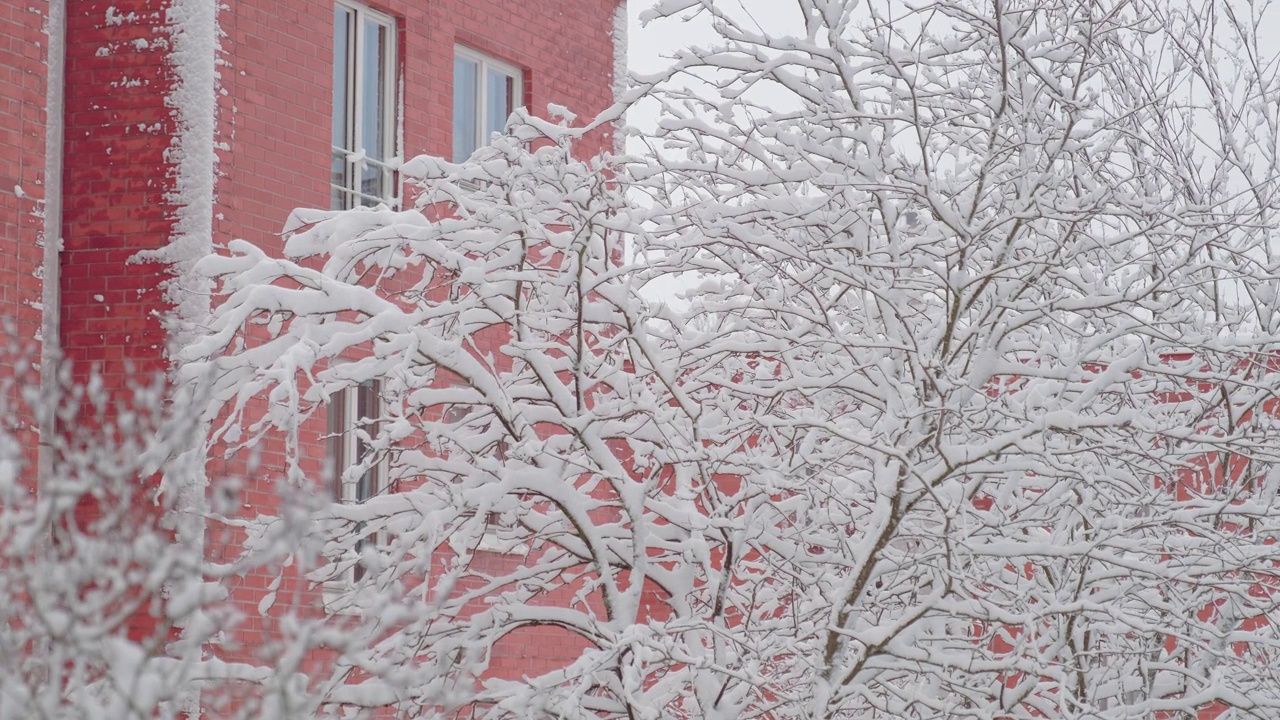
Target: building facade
140	135
184	125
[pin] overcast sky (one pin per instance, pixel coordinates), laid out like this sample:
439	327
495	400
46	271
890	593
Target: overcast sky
648	44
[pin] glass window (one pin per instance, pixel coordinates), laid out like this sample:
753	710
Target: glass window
353	422
363	113
353	417
485	93
466	83
499	100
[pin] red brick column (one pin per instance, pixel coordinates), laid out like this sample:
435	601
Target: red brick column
116	178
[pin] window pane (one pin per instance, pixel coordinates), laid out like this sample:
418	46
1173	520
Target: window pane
337	431
341	77
340	170
499	101
367	416
373	91
466	97
371	182
338	181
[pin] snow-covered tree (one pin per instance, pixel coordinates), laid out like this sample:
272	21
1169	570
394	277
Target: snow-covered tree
107	600
968	410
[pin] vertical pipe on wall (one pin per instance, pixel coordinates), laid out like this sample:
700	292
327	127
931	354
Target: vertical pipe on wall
51	232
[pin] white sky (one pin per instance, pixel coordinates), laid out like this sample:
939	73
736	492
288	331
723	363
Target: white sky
648	47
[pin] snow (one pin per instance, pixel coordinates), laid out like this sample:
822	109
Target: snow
115	18
621	77
194	47
992	460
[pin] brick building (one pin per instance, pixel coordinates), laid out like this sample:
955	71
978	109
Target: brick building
152	105
138	135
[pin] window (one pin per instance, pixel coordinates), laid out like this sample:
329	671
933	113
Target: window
363	109
485	93
352	424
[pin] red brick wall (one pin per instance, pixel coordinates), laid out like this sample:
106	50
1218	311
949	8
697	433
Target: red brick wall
274	124
23	83
278	82
23	45
280	75
117	130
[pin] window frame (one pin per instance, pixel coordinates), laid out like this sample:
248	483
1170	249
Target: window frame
343	450
484	63
351	194
348	443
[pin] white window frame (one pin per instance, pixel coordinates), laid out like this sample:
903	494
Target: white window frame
348	439
496	524
485	64
351	194
343	486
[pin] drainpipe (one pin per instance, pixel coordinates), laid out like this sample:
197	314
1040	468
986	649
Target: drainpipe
51	234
